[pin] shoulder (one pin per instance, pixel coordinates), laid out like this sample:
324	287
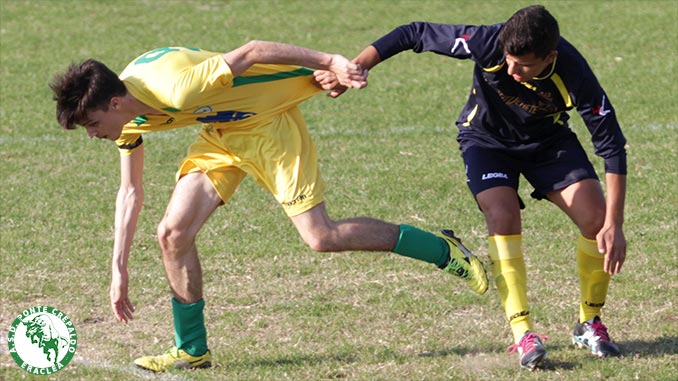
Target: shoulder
572	67
166	60
483	43
570	59
163	76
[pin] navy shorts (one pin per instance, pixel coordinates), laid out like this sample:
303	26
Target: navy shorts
546	168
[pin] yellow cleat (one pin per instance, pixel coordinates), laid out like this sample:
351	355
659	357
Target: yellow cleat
174	358
464	264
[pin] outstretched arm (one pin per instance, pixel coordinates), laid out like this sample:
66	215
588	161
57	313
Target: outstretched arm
127	208
348	73
367	59
446	39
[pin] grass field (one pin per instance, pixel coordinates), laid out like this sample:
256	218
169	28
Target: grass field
275	309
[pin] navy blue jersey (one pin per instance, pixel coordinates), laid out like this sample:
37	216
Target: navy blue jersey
517	116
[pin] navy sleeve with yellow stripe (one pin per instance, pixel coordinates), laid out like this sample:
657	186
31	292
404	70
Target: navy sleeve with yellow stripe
501	112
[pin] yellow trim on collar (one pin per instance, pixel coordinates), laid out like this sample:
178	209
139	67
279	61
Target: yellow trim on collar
553	68
495	69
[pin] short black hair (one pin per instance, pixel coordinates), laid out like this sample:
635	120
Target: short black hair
530	30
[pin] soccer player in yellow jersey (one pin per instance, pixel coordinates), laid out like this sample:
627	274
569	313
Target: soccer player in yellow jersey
247	102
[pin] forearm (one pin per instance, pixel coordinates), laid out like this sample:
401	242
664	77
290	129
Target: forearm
276	52
616	197
128	206
266	52
368	58
416	36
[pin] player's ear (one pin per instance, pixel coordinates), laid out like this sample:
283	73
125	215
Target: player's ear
115	103
551	56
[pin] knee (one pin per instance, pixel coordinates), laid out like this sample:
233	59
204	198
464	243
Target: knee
590	225
503	221
320	241
172	238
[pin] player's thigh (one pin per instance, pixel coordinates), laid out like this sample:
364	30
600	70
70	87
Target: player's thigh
489	168
313	225
501	207
193	200
563	174
492	176
557	166
282	158
209	155
584	203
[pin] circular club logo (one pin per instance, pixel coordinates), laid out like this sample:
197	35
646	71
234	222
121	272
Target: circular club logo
42	340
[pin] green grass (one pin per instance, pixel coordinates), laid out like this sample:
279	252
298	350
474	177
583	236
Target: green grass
275	309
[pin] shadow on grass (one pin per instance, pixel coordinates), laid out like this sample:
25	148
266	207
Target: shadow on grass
665	345
298	360
547	365
461	351
662	346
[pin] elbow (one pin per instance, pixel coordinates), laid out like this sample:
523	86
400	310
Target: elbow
252	47
131	196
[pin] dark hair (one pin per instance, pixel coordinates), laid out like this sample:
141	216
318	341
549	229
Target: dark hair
84	87
530	30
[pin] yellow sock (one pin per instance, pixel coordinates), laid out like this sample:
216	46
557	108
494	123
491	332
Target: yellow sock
511	279
593	280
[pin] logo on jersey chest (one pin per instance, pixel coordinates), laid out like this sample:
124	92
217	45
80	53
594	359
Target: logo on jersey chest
226	116
221	116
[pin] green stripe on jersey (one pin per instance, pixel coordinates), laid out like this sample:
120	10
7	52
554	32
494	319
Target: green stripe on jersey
241	81
139	120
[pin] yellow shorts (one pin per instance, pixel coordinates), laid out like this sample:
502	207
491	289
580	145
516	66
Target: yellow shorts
279	154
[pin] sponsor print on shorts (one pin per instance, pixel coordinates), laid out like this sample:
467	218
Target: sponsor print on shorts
494	175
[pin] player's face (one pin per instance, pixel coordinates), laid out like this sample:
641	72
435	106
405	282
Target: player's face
104	124
524	68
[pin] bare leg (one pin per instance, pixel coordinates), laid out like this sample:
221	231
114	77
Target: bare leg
193	201
584	203
501	209
323	234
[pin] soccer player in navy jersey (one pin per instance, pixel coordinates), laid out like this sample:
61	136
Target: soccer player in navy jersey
525	79
247	102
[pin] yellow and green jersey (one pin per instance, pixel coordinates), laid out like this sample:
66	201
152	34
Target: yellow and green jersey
194	86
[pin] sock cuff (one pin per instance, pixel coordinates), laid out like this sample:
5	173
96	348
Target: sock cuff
422	245
178	306
588	247
402	231
505	247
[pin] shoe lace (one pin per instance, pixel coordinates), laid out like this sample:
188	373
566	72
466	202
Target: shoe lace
600	331
527	343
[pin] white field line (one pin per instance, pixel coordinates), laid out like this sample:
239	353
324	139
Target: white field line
317	131
171	134
139	374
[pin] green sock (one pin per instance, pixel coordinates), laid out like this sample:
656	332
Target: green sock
189	327
422	245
